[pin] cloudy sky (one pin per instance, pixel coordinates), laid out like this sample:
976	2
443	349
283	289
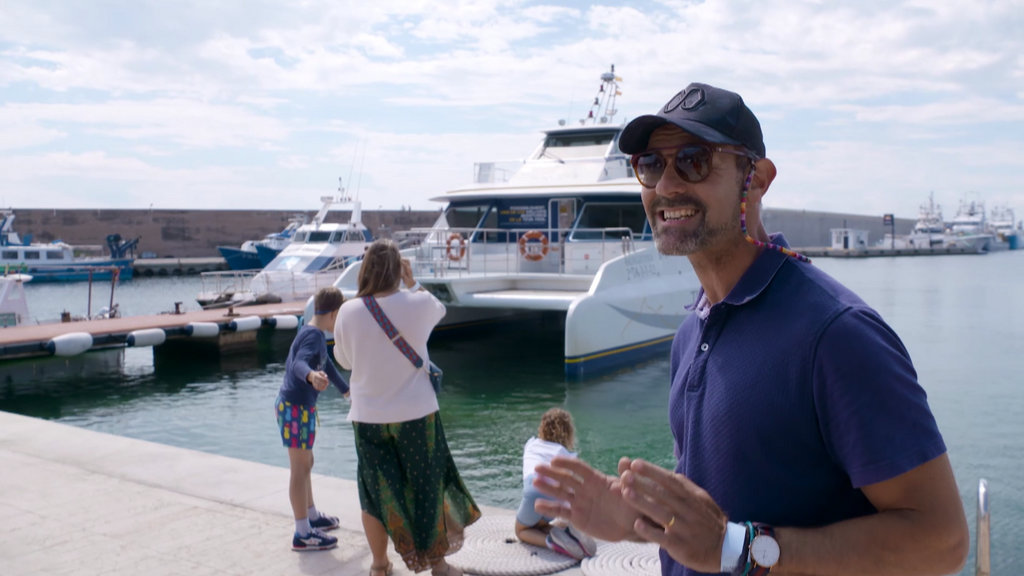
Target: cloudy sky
867	106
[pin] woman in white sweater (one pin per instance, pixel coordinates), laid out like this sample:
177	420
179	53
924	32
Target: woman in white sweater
409	488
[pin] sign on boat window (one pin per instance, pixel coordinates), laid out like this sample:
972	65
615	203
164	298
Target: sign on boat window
525	214
602	216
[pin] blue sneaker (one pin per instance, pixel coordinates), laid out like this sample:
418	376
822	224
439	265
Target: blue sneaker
325	523
316	540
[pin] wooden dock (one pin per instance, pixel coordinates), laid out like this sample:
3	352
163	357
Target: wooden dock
150	267
38	340
882	252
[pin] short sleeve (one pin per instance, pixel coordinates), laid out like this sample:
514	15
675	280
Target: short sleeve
340	343
873	414
437	308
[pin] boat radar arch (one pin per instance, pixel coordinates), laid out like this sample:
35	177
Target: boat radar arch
603	111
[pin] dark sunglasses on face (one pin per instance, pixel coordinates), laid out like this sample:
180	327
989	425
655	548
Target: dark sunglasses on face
692	163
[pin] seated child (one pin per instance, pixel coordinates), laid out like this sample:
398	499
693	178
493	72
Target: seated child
557	437
308	372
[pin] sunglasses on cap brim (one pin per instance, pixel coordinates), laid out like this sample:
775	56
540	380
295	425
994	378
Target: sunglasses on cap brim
692	162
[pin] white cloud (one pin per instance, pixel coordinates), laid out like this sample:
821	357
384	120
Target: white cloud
969	111
16	133
438	84
184	122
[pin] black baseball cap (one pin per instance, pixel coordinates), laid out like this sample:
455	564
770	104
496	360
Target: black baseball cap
712	114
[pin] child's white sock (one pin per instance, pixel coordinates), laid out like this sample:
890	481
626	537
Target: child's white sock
313	514
302	527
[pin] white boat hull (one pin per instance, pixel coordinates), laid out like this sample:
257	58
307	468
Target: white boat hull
630	310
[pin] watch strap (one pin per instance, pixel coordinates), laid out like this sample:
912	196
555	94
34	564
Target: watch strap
743	564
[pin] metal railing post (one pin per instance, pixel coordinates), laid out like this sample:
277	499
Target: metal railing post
982	559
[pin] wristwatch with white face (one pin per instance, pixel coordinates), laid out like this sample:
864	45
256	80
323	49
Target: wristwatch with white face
764	551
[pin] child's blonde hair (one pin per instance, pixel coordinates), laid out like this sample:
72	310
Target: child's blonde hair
556	426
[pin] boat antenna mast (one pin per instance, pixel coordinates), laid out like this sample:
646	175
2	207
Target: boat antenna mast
602	111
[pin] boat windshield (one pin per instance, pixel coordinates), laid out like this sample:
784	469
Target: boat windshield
588	144
290	264
319	236
464	216
598	215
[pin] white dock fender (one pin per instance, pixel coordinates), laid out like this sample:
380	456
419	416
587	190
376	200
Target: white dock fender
71	344
202	329
245	324
150	337
283	322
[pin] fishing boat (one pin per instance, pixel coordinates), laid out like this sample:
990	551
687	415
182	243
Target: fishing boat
317	255
562	233
56	261
969	228
1005	229
254	255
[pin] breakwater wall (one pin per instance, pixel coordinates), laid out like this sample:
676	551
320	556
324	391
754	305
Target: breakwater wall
197	233
190	233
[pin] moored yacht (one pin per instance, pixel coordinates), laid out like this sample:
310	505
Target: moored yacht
57	262
318	253
968	228
1005	229
562	232
253	254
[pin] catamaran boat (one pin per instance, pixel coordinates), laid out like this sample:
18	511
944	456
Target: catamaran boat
562	232
254	255
1005	229
318	253
969	227
56	262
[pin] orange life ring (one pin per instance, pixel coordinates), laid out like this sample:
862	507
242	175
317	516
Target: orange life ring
458	254
530	255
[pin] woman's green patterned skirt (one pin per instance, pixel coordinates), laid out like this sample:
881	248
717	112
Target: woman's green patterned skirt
408	481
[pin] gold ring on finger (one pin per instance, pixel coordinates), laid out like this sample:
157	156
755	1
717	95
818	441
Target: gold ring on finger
670	523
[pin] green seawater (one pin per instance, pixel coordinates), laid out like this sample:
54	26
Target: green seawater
961	318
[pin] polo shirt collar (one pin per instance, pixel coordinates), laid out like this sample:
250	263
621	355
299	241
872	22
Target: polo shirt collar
756	278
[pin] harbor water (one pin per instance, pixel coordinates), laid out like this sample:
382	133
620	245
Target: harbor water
961	318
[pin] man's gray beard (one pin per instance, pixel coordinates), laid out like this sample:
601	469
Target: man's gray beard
701	238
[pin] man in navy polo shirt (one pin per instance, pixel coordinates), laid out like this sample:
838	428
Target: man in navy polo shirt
805	444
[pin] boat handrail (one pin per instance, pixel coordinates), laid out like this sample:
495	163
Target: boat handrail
982	558
437	252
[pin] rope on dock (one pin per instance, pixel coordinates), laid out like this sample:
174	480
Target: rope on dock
491	548
623	559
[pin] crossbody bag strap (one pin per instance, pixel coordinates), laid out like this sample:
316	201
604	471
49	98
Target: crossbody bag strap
392	333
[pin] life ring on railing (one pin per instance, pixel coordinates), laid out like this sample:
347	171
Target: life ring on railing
530	254
460	251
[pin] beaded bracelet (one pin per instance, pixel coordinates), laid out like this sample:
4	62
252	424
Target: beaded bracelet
743	224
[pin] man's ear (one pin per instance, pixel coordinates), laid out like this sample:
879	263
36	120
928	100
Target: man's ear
763	177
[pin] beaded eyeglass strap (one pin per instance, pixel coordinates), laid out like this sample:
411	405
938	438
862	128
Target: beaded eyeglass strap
743	224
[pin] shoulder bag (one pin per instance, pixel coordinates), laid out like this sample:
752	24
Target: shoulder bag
396	338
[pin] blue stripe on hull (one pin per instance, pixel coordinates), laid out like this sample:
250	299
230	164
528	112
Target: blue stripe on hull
56	274
239	259
602	361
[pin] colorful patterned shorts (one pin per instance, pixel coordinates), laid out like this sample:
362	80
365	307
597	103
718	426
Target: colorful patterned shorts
297	425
